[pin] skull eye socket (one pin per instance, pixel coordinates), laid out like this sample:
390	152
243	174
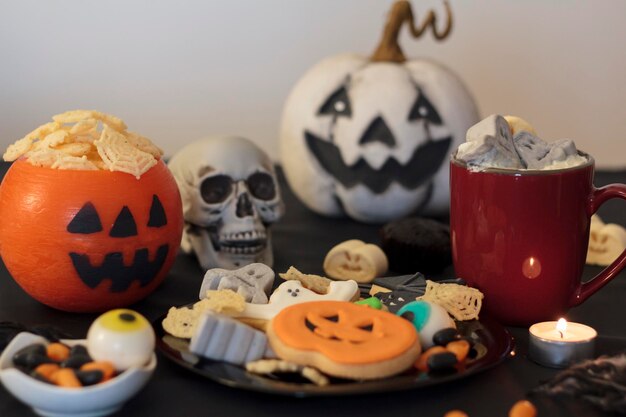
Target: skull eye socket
423	109
261	185
338	104
216	189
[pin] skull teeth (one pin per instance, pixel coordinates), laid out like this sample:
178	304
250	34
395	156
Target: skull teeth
243	236
243	250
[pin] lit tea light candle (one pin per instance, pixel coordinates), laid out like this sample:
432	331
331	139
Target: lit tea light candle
558	344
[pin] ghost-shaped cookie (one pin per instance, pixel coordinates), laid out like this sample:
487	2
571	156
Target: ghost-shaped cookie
292	292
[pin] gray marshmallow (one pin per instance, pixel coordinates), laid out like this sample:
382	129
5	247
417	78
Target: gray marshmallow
222	338
489	144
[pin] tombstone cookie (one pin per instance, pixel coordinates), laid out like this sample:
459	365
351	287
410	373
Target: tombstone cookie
253	282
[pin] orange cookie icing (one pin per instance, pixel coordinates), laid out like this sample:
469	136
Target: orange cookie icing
344	332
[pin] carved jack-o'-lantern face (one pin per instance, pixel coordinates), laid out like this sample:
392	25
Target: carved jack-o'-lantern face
371	138
357	339
88	240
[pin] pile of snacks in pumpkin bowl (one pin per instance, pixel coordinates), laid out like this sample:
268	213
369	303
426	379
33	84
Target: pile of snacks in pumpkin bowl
90	216
92	377
317	336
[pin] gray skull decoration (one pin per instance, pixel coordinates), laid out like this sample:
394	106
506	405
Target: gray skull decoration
230	196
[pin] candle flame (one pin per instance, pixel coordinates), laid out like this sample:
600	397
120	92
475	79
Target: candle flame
561	326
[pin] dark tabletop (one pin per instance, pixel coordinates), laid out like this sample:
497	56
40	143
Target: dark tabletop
302	239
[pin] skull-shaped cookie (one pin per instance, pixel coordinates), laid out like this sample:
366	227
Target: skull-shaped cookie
230	194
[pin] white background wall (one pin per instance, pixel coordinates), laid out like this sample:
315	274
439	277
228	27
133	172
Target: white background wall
179	70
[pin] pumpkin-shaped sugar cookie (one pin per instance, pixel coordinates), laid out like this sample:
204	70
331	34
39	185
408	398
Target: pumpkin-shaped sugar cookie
344	339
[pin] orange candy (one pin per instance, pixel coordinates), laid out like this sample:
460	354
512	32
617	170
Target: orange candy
107	369
65	377
422	361
523	409
455	413
460	348
46	370
58	352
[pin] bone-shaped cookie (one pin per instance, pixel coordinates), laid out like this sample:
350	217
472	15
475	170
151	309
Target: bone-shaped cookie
606	242
357	260
253	282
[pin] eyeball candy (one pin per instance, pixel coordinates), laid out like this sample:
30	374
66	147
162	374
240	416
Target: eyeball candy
123	337
428	318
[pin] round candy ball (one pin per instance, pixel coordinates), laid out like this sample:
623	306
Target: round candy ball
428	318
123	337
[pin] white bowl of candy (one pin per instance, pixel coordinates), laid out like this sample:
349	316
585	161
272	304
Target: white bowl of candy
91	398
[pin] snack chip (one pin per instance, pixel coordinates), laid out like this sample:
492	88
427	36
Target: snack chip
312	282
182	322
460	301
86	140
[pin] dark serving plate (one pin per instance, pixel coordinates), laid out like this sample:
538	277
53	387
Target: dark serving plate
492	342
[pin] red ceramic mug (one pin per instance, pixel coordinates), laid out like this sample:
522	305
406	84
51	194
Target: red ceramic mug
521	238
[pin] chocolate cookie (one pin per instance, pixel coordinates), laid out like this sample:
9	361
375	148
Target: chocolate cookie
416	244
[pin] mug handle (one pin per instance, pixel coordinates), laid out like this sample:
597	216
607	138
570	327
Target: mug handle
598	197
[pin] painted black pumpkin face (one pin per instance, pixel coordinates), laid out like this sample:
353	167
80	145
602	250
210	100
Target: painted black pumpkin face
113	267
425	161
371	139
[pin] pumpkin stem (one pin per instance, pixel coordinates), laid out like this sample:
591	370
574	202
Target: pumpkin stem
388	49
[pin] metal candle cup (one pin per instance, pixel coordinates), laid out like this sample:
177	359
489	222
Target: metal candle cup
560	346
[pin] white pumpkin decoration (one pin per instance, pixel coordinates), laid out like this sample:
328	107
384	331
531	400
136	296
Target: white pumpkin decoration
371	137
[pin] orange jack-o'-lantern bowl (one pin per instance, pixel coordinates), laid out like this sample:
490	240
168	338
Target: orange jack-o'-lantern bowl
86	241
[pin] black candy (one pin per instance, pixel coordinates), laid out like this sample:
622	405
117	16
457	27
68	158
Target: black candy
441	361
78	350
78	357
76	361
31	356
445	336
89	377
